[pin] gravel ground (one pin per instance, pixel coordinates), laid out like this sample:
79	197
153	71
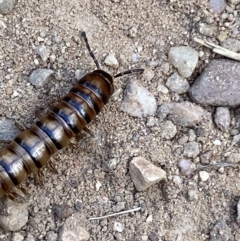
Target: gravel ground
139	34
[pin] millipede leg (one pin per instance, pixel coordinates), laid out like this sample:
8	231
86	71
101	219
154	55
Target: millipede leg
23	190
16	197
19	126
52	167
38	114
88	131
5	141
38	177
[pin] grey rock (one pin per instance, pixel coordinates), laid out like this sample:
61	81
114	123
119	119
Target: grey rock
204	176
51	236
207	29
191	135
222	118
138	101
231	44
72	230
30	237
168	130
221	232
119	227
192	195
6	6
184	59
184	113
217	6
177	180
151	121
17	237
40	77
177	84
218	85
43	52
234	2
183	140
186	167
144	174
8	129
17	216
234	158
191	149
205	157
153	237
162	112
163	89
111	61
148	75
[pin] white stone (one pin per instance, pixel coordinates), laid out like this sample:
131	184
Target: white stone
111	61
118	227
204	176
144	174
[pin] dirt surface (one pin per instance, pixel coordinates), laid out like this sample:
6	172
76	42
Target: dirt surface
110	27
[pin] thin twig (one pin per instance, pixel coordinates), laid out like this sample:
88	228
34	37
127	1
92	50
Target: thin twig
217	165
218	49
115	214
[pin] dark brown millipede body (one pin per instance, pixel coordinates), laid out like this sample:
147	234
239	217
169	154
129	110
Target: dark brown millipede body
32	149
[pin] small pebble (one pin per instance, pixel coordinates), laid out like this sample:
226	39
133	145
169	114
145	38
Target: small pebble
191	149
6	6
184	59
148	75
222	118
17	237
144	174
177	180
149	219
192	195
217	143
217	6
111	61
207	29
118	227
177	84
162	89
43	52
186	167
191	135
168	130
204	176
40	77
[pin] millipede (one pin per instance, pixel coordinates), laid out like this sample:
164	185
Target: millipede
32	149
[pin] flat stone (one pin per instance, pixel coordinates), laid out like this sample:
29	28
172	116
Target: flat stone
184	59
6	6
72	230
40	77
218	84
222	118
111	61
17	216
138	101
144	174
184	113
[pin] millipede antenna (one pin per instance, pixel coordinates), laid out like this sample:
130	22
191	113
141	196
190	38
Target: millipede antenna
131	71
89	50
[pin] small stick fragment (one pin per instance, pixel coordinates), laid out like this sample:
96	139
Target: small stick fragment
217	165
115	214
218	49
